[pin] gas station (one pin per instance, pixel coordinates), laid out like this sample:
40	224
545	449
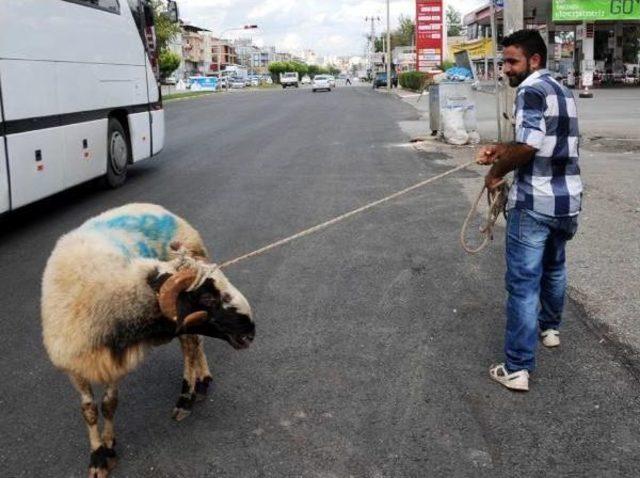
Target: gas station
591	43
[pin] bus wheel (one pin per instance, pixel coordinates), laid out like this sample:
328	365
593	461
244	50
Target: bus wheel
117	154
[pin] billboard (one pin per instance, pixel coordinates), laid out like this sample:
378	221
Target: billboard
429	34
592	10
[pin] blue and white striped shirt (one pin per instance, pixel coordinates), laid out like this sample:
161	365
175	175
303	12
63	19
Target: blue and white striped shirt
547	120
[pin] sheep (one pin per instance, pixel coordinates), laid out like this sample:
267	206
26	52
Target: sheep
128	279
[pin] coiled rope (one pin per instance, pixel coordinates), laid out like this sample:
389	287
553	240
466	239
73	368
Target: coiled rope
497	201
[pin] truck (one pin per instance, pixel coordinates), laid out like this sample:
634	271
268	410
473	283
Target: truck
289	78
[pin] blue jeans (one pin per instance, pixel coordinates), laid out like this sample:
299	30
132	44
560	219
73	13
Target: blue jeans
536	281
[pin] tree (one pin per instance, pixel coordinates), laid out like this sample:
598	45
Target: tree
168	62
165	29
405	33
333	70
454	22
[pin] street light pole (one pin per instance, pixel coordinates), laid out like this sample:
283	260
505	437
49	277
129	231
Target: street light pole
245	27
388	51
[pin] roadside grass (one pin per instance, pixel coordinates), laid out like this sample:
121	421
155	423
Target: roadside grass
186	94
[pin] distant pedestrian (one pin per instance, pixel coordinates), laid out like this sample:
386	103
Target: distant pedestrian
348	80
543	204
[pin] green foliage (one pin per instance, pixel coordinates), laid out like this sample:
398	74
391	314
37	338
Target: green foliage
278	67
404	35
454	22
168	62
165	29
333	70
414	80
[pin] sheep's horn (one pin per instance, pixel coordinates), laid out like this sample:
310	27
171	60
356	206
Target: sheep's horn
194	319
168	296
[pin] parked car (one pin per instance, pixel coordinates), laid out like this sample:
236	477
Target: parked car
332	80
381	79
267	79
169	80
305	80
321	82
237	83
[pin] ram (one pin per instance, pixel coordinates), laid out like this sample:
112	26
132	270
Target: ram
124	281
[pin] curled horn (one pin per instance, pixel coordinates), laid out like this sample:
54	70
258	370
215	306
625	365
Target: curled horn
168	296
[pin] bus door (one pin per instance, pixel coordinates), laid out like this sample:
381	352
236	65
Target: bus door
4	173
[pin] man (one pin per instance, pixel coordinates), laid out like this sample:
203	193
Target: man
543	204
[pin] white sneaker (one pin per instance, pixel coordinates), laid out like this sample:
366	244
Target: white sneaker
515	381
550	338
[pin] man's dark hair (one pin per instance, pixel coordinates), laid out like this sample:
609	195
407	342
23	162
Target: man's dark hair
531	43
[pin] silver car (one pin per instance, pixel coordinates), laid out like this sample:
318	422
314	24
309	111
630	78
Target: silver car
321	82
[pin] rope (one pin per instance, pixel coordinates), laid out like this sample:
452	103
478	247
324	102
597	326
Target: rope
342	217
497	200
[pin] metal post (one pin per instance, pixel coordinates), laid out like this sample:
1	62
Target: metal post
494	43
388	50
513	20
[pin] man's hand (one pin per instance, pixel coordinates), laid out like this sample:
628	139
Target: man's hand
491	181
488	154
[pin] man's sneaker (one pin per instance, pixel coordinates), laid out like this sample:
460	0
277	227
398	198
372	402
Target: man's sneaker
515	381
550	338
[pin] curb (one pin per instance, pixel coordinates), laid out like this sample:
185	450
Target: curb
189	97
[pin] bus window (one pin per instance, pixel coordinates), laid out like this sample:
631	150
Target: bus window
111	6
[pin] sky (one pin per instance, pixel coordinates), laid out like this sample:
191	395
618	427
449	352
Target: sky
328	27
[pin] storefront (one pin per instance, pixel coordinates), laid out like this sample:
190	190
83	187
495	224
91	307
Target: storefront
595	42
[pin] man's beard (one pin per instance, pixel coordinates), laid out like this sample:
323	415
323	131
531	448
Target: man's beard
515	80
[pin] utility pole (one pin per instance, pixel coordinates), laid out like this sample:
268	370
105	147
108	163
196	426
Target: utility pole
388	58
372	42
513	20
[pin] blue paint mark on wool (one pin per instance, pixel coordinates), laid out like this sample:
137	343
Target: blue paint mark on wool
144	235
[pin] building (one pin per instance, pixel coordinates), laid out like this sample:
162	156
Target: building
593	43
310	57
404	58
195	50
223	54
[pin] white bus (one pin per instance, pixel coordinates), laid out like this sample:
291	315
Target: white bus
79	96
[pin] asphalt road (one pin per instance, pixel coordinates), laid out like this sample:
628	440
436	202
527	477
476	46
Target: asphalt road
373	337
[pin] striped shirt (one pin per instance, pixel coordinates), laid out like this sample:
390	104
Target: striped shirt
547	120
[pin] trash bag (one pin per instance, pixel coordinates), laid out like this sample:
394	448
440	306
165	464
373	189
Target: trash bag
453	122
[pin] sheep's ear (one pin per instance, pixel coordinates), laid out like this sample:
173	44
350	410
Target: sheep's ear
156	280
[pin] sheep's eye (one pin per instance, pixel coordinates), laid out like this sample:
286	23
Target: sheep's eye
226	298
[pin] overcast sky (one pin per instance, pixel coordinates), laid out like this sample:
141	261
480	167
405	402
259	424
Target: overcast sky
329	27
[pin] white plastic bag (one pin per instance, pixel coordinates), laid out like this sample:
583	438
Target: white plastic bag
453	126
470	121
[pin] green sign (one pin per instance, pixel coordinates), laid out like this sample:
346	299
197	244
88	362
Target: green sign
593	10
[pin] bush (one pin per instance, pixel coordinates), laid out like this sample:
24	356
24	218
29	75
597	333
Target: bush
168	62
414	80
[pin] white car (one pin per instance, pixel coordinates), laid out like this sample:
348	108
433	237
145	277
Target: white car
321	82
237	83
305	80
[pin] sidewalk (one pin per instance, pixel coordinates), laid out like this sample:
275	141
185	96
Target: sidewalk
604	257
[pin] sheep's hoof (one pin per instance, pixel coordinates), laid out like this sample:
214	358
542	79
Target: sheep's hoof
102	461
202	387
180	414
